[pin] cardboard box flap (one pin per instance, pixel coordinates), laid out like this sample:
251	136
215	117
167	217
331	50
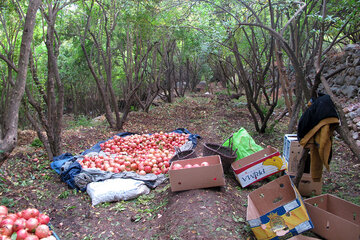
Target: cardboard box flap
212	160
337	207
271	196
250	159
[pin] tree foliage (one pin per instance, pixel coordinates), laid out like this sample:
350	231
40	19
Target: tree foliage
111	57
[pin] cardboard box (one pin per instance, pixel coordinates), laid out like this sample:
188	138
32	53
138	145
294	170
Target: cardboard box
333	217
276	211
302	237
258	166
307	187
197	177
292	151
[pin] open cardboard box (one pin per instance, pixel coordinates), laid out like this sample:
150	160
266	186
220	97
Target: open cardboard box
258	166
276	211
197	177
333	217
307	187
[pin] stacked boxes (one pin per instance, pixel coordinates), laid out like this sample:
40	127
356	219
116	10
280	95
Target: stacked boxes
292	154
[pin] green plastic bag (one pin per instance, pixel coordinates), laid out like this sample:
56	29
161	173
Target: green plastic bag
243	143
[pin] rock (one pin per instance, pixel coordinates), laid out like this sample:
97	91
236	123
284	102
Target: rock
358	124
350	47
346	110
357	83
333	88
356	120
350	71
355	135
358	143
349	91
358	112
352	115
338	91
351	80
339	80
356	62
357	71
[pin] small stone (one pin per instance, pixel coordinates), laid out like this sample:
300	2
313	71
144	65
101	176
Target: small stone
357	71
357	112
350	47
350	71
350	91
356	62
355	135
352	115
339	80
356	120
358	143
346	110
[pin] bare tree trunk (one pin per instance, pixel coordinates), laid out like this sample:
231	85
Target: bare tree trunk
8	134
55	98
286	90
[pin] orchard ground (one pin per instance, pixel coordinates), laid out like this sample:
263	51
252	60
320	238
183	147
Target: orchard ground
214	213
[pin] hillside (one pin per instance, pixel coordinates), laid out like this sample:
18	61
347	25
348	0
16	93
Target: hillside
216	213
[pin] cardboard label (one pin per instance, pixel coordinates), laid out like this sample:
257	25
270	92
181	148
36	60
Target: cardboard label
281	224
261	170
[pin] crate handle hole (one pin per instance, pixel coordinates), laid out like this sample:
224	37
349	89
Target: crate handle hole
327	225
354	216
278	199
179	183
281	185
261	195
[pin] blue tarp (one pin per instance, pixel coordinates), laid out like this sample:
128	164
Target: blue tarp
75	168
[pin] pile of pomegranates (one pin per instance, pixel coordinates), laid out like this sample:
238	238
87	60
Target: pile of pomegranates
139	153
28	224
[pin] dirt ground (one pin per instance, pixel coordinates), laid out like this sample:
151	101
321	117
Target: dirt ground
214	213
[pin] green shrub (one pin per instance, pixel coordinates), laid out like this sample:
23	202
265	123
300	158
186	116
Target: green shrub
37	143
